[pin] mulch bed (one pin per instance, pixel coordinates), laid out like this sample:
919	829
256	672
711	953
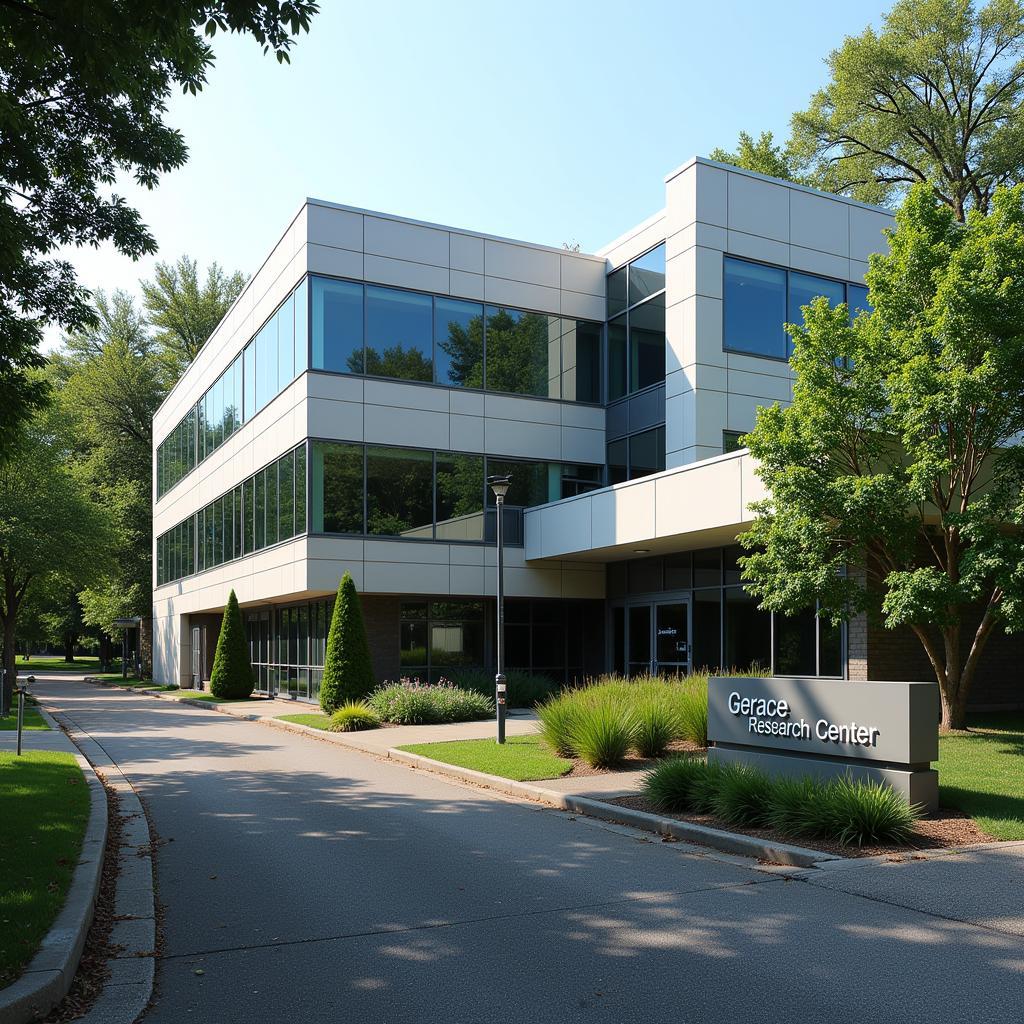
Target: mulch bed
945	828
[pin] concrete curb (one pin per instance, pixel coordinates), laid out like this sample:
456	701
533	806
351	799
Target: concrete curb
727	842
49	975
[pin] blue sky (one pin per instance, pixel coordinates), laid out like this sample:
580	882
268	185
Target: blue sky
548	121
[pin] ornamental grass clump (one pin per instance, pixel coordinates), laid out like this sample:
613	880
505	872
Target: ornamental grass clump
743	796
557	720
692	709
354	716
656	726
859	813
603	733
669	785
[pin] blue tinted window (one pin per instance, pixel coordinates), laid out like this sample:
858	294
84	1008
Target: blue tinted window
301	298
647	344
857	297
617	358
616	291
266	363
399	334
647	275
804	289
518	360
755	309
236	389
458	343
249	406
337	326
285	343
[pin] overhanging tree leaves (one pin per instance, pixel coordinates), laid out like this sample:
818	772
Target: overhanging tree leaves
762	155
899	455
936	96
83	95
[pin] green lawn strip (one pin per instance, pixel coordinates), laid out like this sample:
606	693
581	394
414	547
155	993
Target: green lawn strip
521	758
982	773
33	719
80	664
115	677
314	721
208	698
44	807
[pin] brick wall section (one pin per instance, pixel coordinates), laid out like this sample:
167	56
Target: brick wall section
898	654
381	616
857	648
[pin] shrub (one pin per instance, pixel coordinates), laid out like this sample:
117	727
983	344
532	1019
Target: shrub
231	678
410	703
793	808
669	785
353	717
742	796
557	718
856	812
656	726
603	732
704	789
348	671
692	709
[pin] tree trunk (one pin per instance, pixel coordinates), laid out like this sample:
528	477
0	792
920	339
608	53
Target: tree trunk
10	667
69	648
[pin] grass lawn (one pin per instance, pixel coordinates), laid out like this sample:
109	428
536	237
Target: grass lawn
44	807
521	758
314	721
982	773
115	677
208	698
82	663
33	720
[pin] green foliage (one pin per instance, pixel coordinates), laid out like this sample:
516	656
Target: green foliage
656	725
762	155
603	732
184	312
936	96
692	709
557	718
354	716
524	688
522	758
410	703
231	678
841	810
899	455
348	670
76	114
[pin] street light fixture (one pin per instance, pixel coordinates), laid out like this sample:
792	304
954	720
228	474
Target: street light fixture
500	486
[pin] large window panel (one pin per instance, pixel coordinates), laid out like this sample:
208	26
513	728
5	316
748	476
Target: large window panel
616	291
300	489
286	343
647	453
755	309
803	290
795	644
458	343
533	483
260	513
266	363
337	325
647	275
399	334
647	344
301	347
337	487
618	461
460	497
748	632
581	361
248	501
517	352
286	497
399	493
249	397
270	486
857	297
618	359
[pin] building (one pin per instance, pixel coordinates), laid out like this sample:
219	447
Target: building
346	412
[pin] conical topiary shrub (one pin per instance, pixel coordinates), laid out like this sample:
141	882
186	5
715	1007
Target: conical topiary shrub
232	670
348	671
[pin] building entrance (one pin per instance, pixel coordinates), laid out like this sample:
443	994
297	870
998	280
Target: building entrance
651	637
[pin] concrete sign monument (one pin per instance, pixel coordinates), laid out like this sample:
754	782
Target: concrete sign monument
794	726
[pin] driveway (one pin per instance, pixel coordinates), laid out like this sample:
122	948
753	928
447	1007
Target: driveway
307	882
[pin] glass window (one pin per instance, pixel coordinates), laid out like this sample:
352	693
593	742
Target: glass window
248	501
458	343
517	352
647	275
270	486
286	343
260	513
647	344
249	400
707	629
731	441
755	309
857	297
266	363
707	567
830	648
616	293
804	289
795	643
337	325
301	301
617	358
286	497
678	571
579	480
236	524
581	361
748	632
647	453
460	497
533	483
236	389
337	482
399	492
618	467
399	334
645	575
300	489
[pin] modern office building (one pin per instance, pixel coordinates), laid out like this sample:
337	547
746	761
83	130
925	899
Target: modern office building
375	370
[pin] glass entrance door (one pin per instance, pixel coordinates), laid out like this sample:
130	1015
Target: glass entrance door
639	641
672	638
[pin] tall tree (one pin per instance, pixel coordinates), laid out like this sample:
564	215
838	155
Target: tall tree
936	96
184	312
900	455
83	96
762	155
48	528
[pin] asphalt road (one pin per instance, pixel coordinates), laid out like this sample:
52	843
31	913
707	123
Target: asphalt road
307	883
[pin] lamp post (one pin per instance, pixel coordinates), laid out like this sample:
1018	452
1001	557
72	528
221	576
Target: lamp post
500	486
